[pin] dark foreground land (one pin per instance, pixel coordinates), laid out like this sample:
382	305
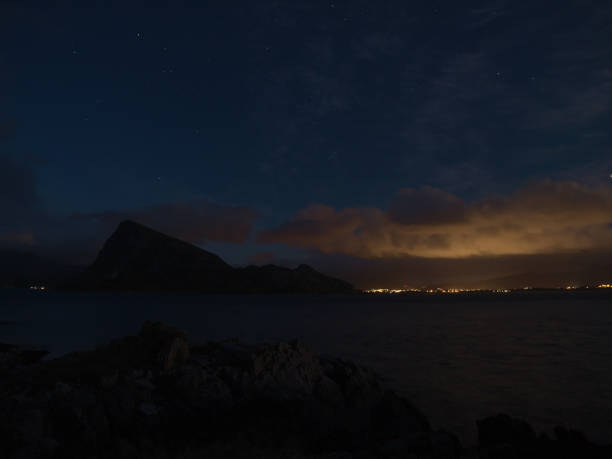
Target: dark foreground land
154	396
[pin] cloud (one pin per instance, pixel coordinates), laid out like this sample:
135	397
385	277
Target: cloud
26	224
17	238
576	106
17	188
542	218
426	206
7	129
377	45
20	203
193	221
484	16
538	81
553	270
262	258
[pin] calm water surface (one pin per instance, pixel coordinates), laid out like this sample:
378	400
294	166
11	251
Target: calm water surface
546	357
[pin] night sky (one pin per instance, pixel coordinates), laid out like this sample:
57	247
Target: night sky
392	143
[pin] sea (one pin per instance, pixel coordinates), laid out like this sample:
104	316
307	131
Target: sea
545	357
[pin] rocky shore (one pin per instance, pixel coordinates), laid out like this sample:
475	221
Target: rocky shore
155	396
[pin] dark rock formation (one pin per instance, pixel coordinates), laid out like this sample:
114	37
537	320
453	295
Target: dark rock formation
13	358
138	258
152	395
503	437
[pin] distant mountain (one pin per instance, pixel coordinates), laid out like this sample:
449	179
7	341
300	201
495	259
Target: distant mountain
303	279
579	277
20	268
138	258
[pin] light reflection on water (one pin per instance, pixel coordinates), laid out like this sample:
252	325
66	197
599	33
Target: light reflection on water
544	357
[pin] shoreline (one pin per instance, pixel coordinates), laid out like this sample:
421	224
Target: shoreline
269	398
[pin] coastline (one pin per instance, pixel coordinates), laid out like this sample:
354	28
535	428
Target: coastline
155	392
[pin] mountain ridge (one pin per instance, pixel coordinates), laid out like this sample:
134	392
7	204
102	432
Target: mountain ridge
136	257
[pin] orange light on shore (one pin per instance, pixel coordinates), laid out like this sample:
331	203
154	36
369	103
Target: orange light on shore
432	290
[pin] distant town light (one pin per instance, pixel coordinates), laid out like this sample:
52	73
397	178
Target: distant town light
468	290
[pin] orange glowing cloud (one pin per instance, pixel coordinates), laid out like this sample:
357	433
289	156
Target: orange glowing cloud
544	217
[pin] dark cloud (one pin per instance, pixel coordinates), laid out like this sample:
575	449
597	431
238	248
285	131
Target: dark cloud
20	204
18	193
485	15
427	206
542	218
7	129
376	45
576	106
17	238
539	79
349	230
262	258
193	221
24	221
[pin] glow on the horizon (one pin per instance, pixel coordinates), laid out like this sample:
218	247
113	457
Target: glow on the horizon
432	290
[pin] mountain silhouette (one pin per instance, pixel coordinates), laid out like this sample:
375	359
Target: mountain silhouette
136	257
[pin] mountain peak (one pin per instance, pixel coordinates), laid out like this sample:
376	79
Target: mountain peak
131	223
305	268
132	226
136	257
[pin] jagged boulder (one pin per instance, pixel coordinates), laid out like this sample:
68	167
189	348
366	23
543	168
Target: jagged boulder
152	395
504	437
14	357
502	429
168	344
291	371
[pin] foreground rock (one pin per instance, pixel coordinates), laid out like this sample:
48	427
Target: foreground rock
502	437
154	396
12	357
